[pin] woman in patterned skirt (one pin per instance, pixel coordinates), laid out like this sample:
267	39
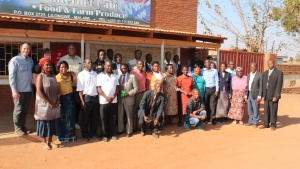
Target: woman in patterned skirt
171	107
239	86
225	93
47	111
65	82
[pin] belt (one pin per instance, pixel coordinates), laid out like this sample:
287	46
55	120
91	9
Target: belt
210	87
92	97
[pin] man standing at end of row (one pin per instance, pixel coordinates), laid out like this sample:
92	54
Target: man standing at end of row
272	85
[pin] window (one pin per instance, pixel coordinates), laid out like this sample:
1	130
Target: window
11	49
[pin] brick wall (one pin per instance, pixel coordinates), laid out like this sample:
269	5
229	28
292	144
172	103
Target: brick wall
174	15
289	69
7	105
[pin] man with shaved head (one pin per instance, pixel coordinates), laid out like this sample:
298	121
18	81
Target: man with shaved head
195	111
272	85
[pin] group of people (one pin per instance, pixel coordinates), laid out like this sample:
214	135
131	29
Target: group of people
135	95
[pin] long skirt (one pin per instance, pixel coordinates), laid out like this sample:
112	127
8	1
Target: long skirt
67	118
237	108
47	128
223	104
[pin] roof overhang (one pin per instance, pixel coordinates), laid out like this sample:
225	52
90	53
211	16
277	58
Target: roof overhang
12	26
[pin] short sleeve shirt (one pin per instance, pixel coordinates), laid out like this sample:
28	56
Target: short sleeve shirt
108	85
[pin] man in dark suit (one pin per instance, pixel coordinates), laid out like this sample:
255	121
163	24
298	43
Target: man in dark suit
253	95
272	85
197	60
129	87
117	65
151	108
148	66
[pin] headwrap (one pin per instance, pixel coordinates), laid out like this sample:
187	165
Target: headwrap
42	61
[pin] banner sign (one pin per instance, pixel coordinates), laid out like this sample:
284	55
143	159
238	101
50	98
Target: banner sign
128	12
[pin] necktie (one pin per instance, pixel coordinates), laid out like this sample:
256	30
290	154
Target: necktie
123	82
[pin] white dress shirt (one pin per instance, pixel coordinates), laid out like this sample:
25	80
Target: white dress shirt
86	82
108	85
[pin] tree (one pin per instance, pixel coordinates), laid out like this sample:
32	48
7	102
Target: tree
254	23
289	16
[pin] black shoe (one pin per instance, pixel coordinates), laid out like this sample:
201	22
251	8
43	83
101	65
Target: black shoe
214	122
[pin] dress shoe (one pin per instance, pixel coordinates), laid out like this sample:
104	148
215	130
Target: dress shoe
263	127
84	140
155	135
273	128
19	133
26	131
114	138
105	139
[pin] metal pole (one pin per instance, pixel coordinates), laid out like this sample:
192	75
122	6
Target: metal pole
82	48
162	55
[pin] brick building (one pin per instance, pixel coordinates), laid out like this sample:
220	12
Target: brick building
153	26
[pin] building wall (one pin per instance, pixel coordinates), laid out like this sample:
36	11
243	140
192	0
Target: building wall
174	15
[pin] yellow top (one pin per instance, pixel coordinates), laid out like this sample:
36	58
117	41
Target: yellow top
64	85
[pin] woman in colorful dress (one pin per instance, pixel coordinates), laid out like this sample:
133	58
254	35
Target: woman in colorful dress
239	86
185	86
154	76
225	93
47	111
66	81
170	91
199	82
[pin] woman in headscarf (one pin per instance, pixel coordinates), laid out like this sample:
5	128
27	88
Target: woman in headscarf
47	107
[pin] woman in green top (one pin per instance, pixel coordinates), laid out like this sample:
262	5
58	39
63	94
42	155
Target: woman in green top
199	82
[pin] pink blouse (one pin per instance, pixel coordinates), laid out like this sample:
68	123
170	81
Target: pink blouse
239	83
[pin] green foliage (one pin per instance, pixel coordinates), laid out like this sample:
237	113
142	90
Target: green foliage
289	16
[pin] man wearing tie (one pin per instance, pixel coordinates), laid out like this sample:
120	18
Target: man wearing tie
148	66
272	85
129	87
253	95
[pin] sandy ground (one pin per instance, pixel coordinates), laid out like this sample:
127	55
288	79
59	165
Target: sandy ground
221	146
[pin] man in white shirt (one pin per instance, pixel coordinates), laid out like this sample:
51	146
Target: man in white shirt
75	65
253	95
167	61
137	56
86	86
231	69
108	89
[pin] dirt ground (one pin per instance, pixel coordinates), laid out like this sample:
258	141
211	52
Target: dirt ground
220	146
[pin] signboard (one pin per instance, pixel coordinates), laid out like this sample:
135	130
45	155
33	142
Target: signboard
128	12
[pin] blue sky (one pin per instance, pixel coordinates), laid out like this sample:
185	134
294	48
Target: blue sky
272	33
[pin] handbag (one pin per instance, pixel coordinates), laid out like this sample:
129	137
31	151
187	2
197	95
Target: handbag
75	93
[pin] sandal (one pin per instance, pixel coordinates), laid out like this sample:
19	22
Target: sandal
54	145
46	146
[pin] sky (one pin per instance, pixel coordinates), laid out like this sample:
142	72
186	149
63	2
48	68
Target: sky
273	33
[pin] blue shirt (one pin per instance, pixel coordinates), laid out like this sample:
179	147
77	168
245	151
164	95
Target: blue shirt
211	78
20	73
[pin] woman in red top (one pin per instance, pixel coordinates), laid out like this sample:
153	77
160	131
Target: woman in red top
185	86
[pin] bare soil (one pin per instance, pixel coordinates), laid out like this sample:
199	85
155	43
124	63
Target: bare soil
220	146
